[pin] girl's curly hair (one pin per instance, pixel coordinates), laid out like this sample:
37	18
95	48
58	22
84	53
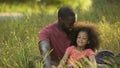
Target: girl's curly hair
91	30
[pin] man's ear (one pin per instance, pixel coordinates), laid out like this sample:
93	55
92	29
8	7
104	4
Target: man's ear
60	19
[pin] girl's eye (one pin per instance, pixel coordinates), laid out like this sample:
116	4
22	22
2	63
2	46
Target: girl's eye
84	38
81	38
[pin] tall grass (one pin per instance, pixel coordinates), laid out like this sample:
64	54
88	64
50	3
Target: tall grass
19	41
19	35
110	39
19	38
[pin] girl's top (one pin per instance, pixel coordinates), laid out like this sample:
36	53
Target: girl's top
75	55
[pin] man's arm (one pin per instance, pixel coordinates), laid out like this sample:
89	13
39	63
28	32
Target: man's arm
44	47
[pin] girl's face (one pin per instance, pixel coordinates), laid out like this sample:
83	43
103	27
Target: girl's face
82	39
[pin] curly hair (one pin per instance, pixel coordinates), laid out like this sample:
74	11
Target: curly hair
91	30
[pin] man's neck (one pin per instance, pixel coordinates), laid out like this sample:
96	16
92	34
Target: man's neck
59	26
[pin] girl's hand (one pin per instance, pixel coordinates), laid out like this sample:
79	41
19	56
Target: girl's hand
60	66
53	66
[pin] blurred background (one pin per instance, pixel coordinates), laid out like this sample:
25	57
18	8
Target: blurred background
22	20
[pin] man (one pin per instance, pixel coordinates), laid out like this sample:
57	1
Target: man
55	36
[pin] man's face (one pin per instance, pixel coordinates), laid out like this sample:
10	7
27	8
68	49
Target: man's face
67	23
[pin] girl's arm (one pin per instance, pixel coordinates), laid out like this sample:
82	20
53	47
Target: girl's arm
93	61
63	60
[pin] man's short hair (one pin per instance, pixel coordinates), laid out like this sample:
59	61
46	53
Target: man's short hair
65	12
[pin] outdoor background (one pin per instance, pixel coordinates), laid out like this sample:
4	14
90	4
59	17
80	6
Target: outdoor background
22	20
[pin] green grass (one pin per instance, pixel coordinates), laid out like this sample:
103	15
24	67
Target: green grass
19	36
18	7
19	40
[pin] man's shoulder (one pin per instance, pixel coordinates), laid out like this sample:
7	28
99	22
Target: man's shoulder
49	29
52	25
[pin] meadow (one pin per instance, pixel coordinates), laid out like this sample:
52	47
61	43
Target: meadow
19	35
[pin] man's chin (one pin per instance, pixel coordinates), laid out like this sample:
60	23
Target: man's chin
70	29
67	30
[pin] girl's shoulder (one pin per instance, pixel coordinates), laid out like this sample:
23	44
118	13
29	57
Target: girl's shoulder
71	48
89	52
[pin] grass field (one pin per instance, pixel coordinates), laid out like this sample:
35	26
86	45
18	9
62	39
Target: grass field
19	35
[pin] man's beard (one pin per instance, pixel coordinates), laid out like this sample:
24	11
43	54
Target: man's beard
66	30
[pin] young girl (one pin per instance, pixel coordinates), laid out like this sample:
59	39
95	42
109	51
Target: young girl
85	43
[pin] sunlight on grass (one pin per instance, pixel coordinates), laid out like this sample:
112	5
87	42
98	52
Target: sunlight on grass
19	7
51	9
85	5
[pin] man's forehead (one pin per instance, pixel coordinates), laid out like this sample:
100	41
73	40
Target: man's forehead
72	17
